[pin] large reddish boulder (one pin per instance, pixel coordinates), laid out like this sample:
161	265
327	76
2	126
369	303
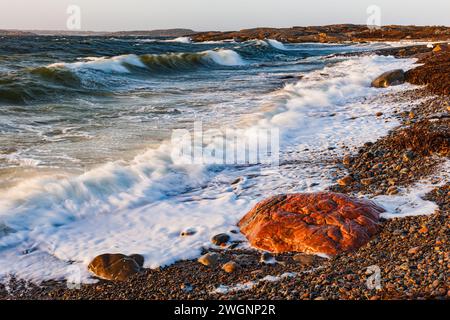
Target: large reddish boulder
323	222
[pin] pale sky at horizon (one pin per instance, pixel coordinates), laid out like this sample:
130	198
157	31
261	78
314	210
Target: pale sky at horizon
107	15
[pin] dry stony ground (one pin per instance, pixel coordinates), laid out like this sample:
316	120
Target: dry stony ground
412	253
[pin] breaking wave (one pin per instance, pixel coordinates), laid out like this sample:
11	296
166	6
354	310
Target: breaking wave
83	76
276	44
127	63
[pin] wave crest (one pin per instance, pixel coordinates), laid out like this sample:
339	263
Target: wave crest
276	44
126	63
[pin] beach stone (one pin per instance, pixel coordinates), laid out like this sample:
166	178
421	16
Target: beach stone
414	250
404	171
345	181
305	259
367	181
393	181
188	232
322	222
390	78
267	258
437	48
423	229
408	156
347	160
230	267
116	267
220	239
209	259
186	287
392	190
244	259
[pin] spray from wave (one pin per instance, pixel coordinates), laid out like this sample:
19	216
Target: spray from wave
180	40
276	44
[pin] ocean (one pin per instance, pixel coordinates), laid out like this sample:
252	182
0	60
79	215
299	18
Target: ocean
89	165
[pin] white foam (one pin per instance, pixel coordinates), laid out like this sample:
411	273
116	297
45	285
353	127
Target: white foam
341	90
142	206
410	201
176	40
223	289
180	40
21	161
117	64
146	40
225	57
276	44
216	41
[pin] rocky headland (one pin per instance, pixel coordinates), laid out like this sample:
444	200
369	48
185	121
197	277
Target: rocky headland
331	33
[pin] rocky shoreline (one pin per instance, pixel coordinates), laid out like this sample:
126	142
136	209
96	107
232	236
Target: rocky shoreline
331	34
412	254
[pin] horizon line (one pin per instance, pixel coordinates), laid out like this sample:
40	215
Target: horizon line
217	30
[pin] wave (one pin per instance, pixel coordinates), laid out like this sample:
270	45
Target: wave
15	89
179	40
128	63
83	76
268	43
118	64
277	44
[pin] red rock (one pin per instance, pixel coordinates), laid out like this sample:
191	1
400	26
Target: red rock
322	222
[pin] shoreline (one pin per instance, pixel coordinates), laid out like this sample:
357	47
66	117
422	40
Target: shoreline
342	277
338	33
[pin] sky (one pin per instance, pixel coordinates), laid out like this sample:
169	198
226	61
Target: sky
201	15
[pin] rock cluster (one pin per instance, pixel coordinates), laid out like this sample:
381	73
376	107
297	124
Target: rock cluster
435	71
